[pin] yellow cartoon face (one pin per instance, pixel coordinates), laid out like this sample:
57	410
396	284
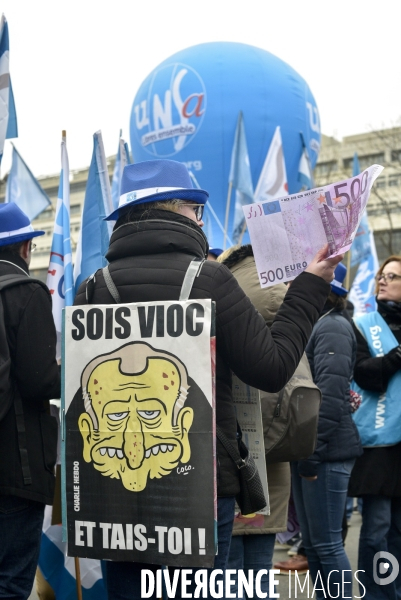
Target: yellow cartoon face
141	430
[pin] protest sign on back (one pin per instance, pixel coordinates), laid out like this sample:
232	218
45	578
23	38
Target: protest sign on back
139	456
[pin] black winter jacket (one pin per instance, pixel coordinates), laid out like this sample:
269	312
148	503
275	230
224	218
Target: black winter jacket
331	352
32	341
148	260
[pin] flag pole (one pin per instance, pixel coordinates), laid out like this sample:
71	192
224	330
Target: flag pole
78	577
76	559
230	187
242	232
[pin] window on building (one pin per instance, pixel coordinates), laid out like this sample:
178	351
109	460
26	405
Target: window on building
396	155
394	180
365	161
383	240
46	214
325	168
40	252
380	183
39	274
75	208
371	159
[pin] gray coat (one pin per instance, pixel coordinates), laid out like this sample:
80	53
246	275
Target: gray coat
268	300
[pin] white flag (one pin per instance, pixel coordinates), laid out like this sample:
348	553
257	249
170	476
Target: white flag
273	178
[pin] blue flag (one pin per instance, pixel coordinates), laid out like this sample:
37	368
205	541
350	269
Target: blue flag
8	117
24	190
59	276
360	249
356	169
240	178
361	246
362	293
363	252
122	159
59	569
305	174
95	232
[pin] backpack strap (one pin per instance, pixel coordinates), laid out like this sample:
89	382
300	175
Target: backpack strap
23	452
193	270
7	281
111	285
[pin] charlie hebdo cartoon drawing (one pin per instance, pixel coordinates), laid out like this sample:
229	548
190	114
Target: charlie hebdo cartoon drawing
135	424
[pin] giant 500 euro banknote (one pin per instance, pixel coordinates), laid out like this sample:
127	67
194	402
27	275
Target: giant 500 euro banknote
286	233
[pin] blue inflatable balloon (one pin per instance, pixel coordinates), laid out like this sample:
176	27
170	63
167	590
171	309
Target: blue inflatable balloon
187	110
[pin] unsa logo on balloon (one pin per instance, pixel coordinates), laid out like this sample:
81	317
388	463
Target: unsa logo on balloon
172	112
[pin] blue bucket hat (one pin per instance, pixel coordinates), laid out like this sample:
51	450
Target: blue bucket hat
15	226
155	181
216	251
340	274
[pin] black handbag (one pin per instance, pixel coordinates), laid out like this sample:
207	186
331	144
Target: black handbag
251	497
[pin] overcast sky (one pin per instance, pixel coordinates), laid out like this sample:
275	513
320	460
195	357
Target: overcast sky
76	65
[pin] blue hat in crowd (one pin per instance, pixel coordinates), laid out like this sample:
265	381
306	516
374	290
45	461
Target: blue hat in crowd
216	251
156	180
15	226
340	274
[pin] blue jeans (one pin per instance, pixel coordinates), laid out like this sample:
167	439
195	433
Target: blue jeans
320	506
20	534
380	531
252	552
124	578
350	506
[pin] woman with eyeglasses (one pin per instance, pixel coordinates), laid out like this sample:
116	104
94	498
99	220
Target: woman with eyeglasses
376	476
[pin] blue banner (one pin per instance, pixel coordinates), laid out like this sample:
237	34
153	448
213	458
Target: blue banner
24	190
8	116
95	232
122	159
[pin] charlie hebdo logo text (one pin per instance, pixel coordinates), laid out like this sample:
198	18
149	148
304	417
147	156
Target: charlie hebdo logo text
167	120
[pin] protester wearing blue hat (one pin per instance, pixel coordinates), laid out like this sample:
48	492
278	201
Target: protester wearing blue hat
214	253
157	234
29	378
337	285
156	181
15	226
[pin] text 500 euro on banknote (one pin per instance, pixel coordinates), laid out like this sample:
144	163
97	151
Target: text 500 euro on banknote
286	233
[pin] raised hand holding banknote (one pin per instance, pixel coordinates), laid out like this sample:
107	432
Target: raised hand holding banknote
322	266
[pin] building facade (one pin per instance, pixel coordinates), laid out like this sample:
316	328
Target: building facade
384	206
335	164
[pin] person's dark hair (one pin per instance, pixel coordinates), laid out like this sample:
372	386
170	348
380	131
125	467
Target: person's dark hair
337	302
13	248
144	211
392	258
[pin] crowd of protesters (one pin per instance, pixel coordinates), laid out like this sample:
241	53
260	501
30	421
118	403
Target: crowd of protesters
158	232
